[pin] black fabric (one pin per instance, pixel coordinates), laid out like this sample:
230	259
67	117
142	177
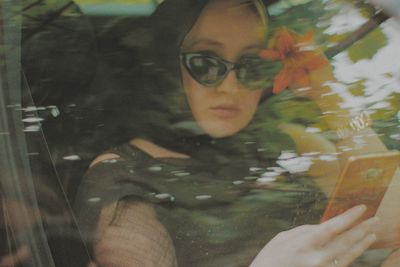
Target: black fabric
193	196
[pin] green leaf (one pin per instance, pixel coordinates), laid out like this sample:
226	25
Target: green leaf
357	88
367	47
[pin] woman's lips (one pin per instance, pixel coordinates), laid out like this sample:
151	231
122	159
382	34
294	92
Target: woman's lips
225	111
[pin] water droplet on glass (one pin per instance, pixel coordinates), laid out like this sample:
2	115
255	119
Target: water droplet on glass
395	137
304	89
269	174
328	157
296	165
181	174
203	197
94	199
264	180
249	143
55	112
345	148
154	168
14	106
313	130
329	112
165	196
33	119
250	178
72	157
310	154
33	108
32	128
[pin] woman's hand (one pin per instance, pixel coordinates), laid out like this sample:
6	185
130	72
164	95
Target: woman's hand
334	243
393	259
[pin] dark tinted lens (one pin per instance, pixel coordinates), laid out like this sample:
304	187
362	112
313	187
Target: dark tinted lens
206	70
256	73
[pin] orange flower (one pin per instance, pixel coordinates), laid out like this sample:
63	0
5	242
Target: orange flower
297	58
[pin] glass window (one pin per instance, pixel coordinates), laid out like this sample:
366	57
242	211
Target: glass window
199	133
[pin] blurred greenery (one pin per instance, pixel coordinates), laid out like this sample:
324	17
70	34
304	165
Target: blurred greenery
357	88
368	46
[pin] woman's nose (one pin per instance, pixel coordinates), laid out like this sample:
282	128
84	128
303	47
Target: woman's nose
230	84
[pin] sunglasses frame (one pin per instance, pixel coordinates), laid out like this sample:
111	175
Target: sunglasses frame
186	57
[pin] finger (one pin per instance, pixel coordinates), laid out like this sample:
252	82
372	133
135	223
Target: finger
335	226
345	259
350	238
21	255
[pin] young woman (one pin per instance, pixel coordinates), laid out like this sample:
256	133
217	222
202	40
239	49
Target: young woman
186	198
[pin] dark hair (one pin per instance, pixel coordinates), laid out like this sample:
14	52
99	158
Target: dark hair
171	22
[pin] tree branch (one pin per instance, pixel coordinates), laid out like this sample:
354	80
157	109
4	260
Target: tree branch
366	28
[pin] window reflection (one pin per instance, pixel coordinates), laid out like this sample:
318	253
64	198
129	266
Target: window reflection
185	158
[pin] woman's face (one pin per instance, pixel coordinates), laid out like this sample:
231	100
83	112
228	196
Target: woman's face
229	31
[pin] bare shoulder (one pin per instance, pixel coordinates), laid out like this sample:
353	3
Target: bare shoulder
147	147
156	151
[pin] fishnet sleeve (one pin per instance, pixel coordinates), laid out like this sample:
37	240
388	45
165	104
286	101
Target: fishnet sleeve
130	235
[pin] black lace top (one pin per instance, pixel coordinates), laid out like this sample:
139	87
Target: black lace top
219	211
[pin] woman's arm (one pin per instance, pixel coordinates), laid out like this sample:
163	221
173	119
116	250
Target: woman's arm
130	235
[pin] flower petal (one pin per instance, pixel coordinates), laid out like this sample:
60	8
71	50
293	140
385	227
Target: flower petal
313	61
282	80
300	78
307	38
270	54
285	42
